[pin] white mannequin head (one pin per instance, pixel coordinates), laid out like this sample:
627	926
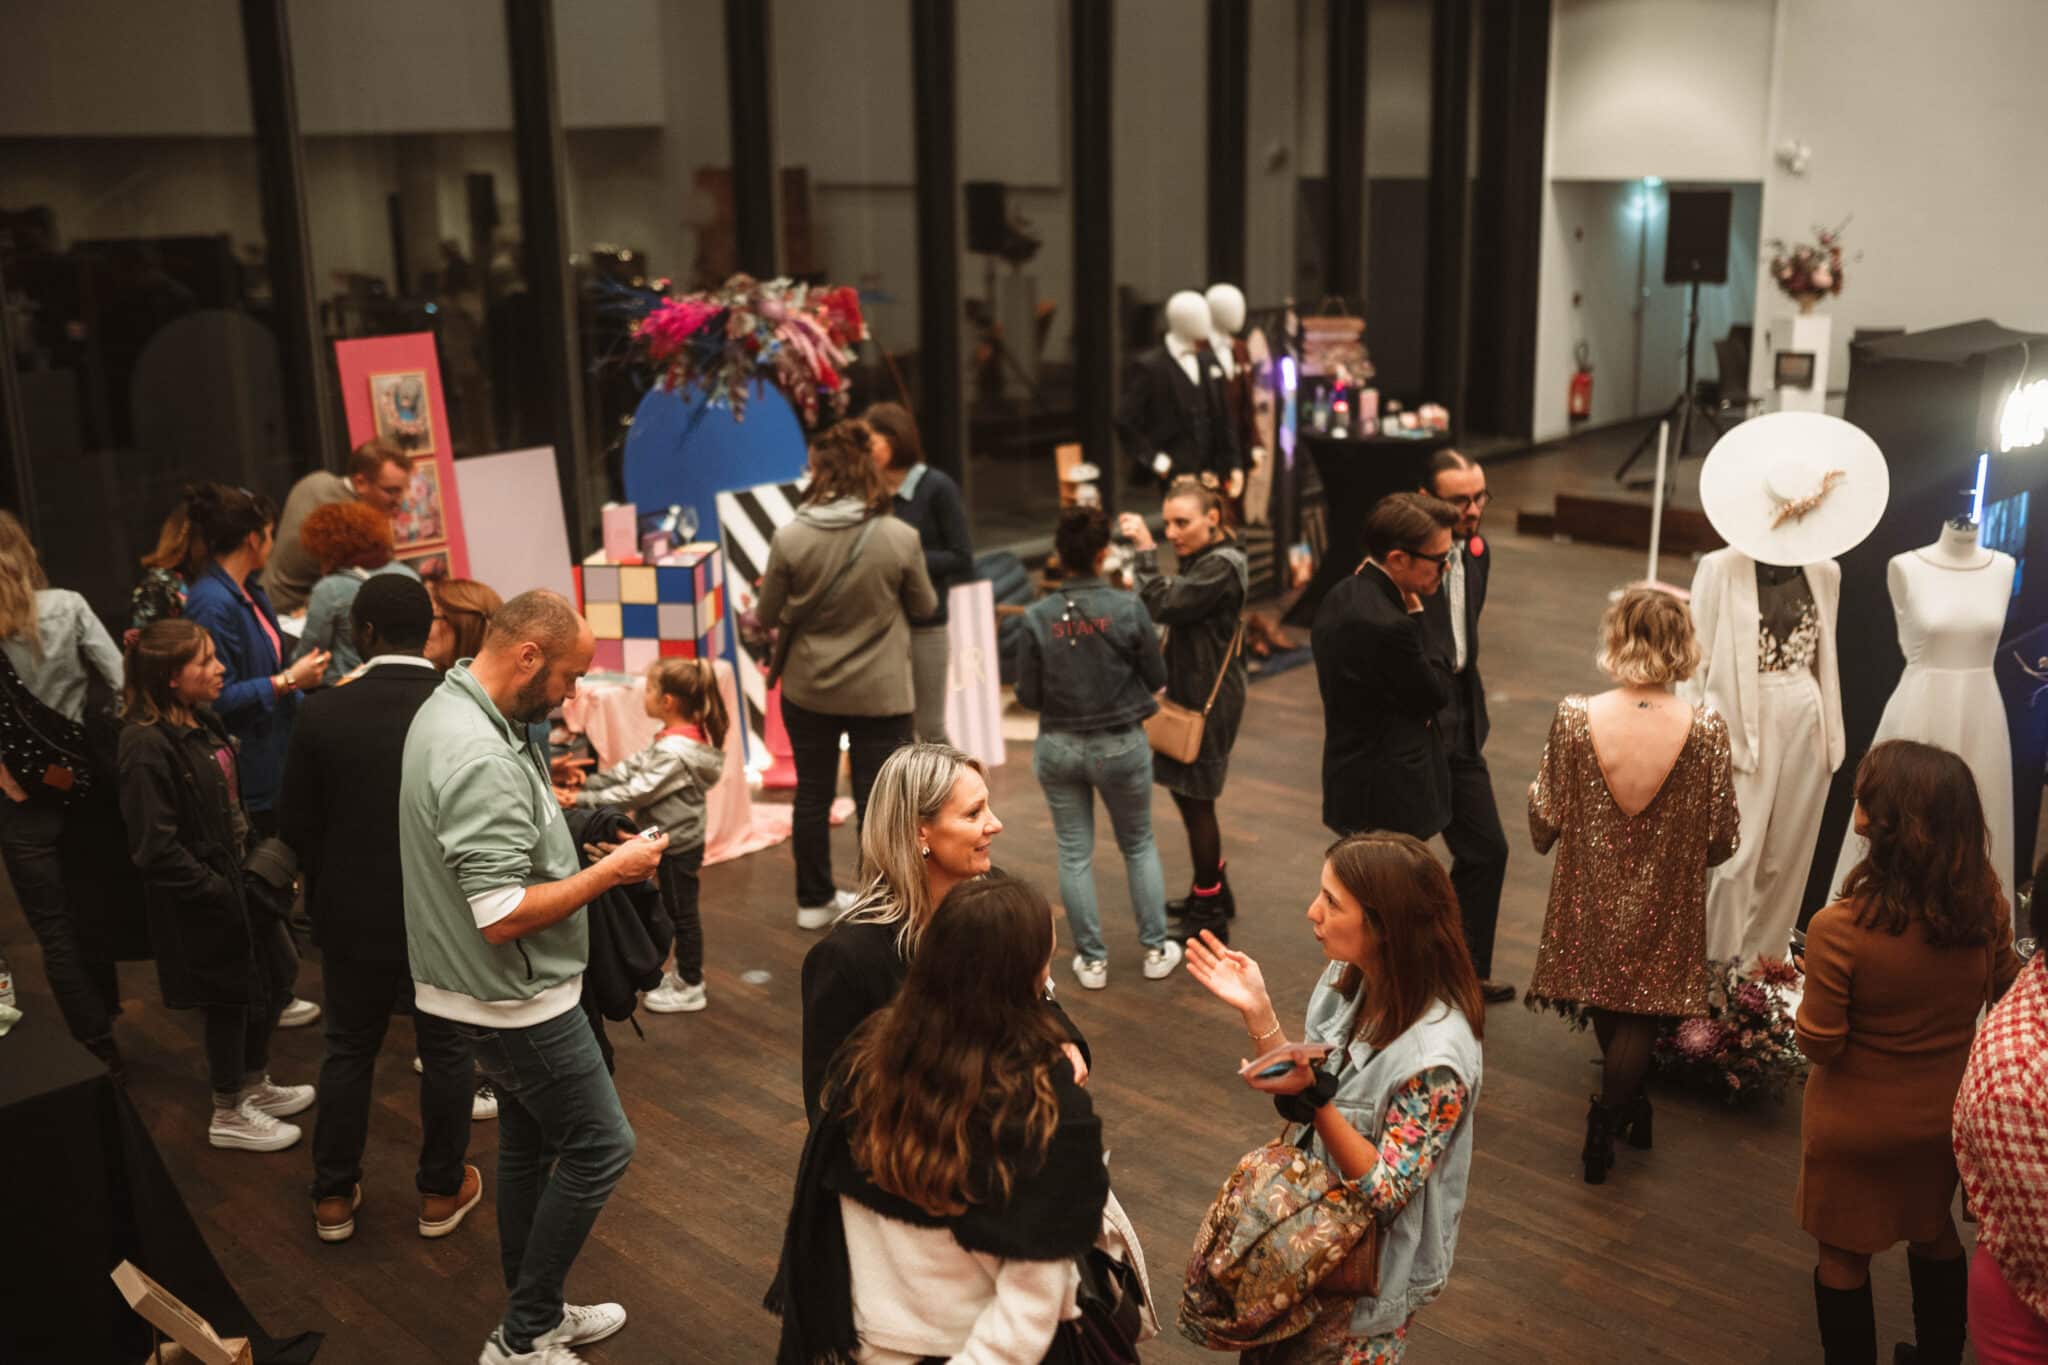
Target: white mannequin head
1187	316
1226	309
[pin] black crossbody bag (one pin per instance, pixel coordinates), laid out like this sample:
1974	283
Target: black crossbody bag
48	753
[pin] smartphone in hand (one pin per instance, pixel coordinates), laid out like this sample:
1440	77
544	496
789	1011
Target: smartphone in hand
1283	1059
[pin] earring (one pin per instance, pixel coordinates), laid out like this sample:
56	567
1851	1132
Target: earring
924	851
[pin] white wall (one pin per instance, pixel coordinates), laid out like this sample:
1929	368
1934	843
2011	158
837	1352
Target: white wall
1675	88
1925	123
1159	155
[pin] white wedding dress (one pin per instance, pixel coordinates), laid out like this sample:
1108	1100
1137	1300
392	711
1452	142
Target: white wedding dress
1950	623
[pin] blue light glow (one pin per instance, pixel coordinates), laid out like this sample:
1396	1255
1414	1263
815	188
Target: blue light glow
1977	498
1287	377
1653	182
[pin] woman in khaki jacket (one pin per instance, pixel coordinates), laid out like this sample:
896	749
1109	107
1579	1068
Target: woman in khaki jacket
843	580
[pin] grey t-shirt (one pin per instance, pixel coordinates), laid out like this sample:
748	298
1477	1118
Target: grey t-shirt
292	571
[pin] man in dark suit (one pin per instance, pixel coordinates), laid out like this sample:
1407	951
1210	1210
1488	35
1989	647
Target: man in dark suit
339	811
1383	686
1479	849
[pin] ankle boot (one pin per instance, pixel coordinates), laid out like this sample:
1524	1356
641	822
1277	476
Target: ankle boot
1941	1291
1598	1153
1636	1117
1848	1325
1205	911
1179	909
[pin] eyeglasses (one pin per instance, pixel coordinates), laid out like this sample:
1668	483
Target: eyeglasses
1442	561
1471	502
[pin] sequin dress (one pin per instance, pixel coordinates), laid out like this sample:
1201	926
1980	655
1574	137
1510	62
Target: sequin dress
1626	926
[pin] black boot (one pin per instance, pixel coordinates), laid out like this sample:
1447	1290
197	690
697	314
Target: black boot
1598	1153
1941	1292
1848	1325
1635	1121
1204	912
1179	909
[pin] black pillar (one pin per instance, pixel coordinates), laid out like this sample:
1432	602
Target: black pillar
1229	109
543	218
1345	147
288	251
1507	216
1094	283
753	143
934	64
17	481
1450	101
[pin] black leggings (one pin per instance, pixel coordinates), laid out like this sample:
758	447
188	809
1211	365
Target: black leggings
679	871
1205	838
1625	1041
237	1046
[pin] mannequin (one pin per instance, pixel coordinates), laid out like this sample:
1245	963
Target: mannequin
1174	415
1951	599
1226	320
1767	664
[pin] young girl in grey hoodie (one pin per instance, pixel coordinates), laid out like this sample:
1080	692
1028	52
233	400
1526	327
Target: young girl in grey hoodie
665	785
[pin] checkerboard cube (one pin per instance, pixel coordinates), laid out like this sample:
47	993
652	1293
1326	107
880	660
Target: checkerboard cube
674	608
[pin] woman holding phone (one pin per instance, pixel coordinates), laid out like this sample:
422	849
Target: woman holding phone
1389	1107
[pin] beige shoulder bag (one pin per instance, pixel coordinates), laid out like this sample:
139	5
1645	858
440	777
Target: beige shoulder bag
1176	731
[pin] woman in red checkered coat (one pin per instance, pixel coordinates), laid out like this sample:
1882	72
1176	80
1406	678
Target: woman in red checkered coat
1896	971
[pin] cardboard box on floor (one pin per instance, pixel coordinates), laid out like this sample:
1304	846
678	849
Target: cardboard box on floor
191	1337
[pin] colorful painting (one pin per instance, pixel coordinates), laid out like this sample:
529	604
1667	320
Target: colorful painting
391	387
419	519
403	412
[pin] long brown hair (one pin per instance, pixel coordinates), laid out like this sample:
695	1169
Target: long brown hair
843	466
694	685
467	604
21	576
1930	855
178	548
156	656
894	424
1408	900
949	1089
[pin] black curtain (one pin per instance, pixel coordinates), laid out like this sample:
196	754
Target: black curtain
1507	216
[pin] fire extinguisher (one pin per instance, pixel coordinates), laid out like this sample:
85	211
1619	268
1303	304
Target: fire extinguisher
1579	398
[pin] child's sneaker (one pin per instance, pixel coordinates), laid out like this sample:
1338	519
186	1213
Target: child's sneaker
675	996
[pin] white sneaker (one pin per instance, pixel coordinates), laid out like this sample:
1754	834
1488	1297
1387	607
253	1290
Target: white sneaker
298	1014
675	996
497	1353
484	1105
582	1324
278	1101
821	916
1162	960
247	1128
1092	975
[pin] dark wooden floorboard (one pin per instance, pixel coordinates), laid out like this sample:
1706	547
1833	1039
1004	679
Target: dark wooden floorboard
1688	1253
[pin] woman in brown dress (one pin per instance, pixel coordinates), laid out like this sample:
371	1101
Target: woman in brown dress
1636	793
1896	971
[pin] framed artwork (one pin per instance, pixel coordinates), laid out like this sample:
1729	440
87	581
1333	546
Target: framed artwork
432	566
399	404
420	519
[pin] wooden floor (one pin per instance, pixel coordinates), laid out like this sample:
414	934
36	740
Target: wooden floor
1689	1253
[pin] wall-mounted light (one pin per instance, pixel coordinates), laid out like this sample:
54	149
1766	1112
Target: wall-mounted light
1653	182
2023	421
1794	156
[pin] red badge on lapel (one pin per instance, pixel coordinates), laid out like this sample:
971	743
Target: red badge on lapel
1475	547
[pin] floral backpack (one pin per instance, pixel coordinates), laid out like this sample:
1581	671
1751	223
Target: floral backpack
1283	1231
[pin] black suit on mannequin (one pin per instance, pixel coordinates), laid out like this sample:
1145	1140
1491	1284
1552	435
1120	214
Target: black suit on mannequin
1162	410
1479	848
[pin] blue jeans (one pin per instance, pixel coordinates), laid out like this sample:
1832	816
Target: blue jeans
563	1144
1117	763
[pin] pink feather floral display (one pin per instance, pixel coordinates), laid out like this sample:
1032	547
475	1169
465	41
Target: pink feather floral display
723	342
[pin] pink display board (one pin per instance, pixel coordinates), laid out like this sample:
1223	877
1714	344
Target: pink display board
391	386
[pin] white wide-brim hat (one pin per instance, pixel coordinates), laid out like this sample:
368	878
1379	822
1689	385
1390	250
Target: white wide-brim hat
1784	457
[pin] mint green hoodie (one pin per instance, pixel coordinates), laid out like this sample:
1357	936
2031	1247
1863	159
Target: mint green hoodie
475	814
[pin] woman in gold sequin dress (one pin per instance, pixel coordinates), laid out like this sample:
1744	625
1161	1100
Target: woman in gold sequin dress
1637	794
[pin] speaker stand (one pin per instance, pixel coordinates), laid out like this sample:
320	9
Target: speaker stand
1682	409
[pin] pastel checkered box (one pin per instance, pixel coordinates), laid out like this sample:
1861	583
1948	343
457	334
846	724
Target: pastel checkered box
643	612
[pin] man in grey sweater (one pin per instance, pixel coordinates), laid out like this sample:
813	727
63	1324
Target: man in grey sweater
498	948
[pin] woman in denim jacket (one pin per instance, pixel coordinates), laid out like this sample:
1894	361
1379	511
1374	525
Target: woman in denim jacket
1088	662
1390	1109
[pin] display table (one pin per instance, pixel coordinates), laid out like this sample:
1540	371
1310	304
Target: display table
85	1190
607	710
1355	474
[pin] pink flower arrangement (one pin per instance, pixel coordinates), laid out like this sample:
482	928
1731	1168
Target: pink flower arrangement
750	331
1808	270
1699	1038
1744	1047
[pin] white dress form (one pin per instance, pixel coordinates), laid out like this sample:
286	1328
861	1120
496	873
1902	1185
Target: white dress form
1951	599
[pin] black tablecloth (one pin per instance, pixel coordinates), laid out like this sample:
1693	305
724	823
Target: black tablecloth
1355	474
84	1190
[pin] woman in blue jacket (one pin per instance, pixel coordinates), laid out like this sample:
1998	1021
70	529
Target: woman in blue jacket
261	694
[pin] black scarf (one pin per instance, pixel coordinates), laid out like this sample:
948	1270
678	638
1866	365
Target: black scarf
1054	1212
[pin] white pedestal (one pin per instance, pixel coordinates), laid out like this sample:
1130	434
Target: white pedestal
1810	332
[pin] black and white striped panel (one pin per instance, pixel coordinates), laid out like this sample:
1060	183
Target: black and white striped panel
748	519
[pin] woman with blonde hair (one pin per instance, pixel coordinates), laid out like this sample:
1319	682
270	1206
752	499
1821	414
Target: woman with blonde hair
1638	797
50	645
929	828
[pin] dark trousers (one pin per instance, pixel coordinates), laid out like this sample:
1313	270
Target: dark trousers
237	1046
79	966
1479	849
361	998
679	869
814	743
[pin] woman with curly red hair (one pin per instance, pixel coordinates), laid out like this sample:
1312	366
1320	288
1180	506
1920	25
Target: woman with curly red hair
351	540
1896	971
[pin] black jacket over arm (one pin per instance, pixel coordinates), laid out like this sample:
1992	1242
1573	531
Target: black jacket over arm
1383	684
1436	619
338	808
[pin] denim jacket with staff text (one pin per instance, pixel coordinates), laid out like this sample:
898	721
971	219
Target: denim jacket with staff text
1088	658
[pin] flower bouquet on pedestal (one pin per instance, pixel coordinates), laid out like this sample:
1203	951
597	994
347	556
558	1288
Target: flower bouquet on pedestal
1744	1049
794	336
1807	272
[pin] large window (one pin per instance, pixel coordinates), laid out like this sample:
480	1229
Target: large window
137	291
